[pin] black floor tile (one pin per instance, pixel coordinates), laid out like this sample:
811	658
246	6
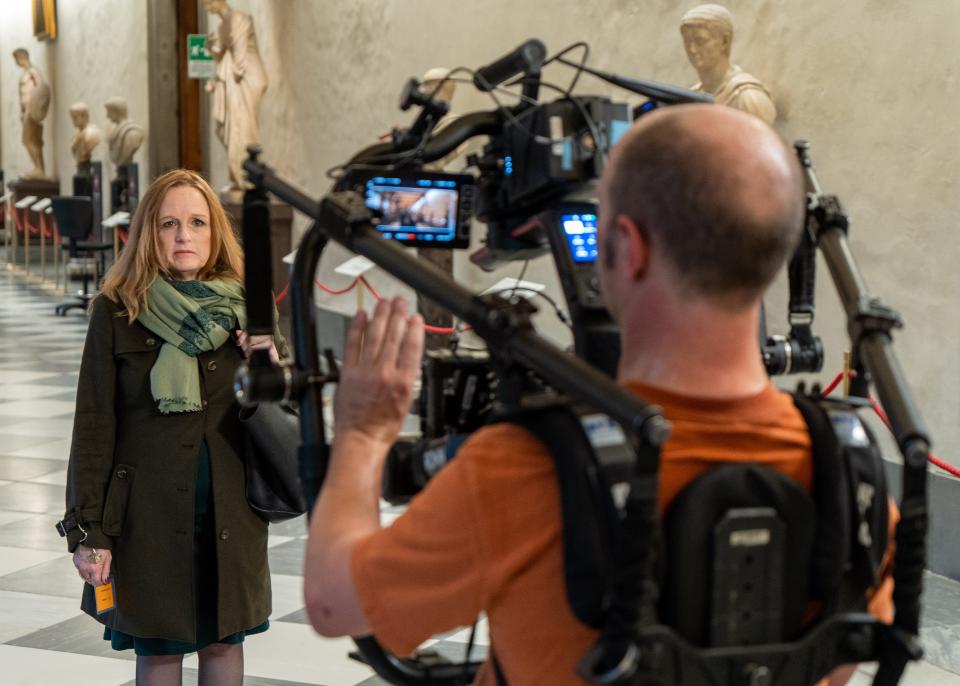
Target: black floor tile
286	558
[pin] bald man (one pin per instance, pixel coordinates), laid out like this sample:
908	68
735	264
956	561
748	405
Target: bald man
700	206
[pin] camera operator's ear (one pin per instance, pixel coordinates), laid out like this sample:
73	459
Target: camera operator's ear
634	244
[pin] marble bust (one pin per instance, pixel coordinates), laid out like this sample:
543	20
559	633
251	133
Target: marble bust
87	135
34	104
125	136
707	32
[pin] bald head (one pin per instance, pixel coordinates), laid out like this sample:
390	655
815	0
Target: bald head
717	194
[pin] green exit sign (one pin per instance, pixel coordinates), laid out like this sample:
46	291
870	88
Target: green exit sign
200	63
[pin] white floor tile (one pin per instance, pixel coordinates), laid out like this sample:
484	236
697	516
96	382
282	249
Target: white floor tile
482	637
53	450
33	667
287	594
274	541
53	428
37	409
8	517
15	376
24	613
15	559
5	483
15	391
387	518
57	478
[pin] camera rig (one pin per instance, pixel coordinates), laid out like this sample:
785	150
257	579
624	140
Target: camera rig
577	132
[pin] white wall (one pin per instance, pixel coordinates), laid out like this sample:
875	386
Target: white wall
100	52
871	85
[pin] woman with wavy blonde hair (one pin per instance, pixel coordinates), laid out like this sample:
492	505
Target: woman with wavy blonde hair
156	503
139	264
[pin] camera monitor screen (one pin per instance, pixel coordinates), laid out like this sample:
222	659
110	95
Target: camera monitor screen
581	233
426	210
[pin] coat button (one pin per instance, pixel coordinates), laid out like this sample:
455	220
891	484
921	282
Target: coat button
203	403
151	341
121	473
224	535
211	366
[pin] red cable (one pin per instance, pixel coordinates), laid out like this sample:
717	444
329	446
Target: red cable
945	466
334	291
447	330
832	385
936	461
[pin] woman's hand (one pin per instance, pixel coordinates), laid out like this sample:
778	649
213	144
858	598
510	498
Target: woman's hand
248	343
92	565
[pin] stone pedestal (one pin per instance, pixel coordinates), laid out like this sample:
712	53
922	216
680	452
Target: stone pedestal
124	191
281	228
83	179
21	188
41	188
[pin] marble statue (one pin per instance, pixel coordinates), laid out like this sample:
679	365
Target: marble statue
34	104
126	136
432	78
707	32
86	137
237	88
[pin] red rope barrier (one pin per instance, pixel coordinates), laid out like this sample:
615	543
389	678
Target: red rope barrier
945	466
878	410
447	330
832	385
335	291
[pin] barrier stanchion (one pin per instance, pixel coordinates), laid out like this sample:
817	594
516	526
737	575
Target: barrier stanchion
23	225
57	249
40	208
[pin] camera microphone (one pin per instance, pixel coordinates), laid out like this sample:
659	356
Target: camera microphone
525	59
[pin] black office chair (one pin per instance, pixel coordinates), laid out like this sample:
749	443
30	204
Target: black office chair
74	218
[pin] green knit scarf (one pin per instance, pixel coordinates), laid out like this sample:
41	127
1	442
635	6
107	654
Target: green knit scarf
191	317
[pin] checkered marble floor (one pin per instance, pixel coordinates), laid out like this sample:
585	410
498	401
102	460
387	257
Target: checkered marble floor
45	639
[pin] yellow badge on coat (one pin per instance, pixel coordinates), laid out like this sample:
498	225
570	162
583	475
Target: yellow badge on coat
104	596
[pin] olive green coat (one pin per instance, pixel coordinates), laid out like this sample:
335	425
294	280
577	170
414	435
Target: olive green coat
132	478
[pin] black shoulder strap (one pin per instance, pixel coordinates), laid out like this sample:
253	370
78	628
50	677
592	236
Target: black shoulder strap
849	488
831	492
587	508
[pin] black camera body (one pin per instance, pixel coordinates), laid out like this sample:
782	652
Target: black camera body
549	150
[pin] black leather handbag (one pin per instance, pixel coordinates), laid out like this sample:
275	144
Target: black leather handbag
272	471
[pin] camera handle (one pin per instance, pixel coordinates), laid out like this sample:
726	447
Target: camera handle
870	325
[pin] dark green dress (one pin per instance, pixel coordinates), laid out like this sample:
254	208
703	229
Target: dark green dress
205	579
